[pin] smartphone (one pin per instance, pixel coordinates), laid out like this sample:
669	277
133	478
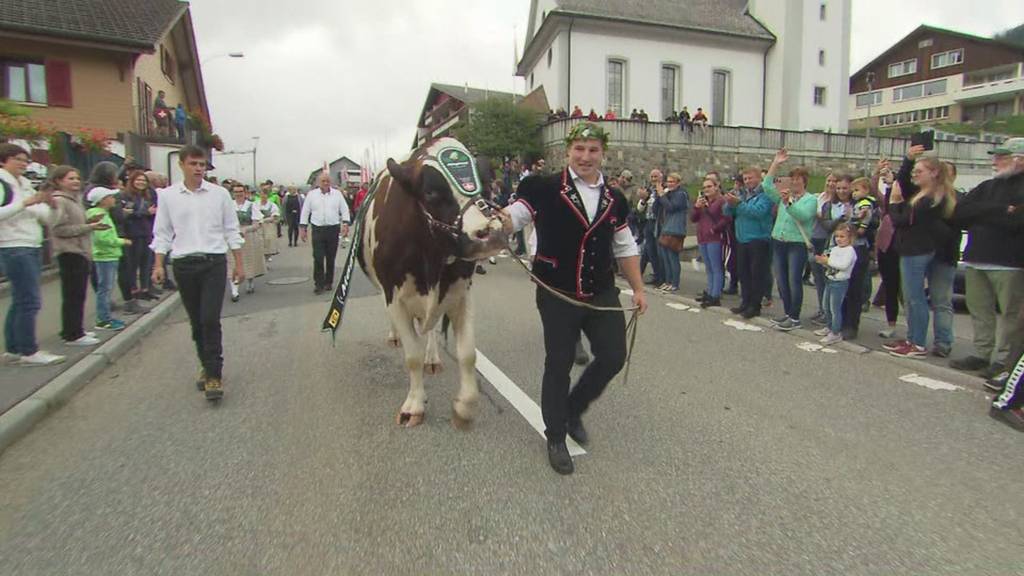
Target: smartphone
926	139
783	182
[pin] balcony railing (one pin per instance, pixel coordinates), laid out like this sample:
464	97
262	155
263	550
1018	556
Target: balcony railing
760	141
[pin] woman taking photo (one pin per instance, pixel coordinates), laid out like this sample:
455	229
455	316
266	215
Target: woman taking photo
72	244
670	207
920	206
712	224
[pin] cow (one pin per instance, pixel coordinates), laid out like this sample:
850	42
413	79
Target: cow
425	227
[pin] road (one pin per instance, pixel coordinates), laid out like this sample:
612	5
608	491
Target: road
728	452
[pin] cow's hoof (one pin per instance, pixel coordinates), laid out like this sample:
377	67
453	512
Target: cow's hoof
433	368
408	420
460	423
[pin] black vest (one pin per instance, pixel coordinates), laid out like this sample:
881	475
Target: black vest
573	255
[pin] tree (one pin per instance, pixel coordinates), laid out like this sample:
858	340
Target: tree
498	128
1013	35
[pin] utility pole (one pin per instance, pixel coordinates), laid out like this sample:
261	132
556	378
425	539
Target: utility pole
255	144
870	77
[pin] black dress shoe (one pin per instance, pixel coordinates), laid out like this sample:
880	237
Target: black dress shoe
709	302
731	291
574	427
751	312
558	457
738	310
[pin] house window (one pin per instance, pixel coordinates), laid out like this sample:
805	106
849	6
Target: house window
669	78
24	82
950	58
550	55
904	68
869	99
616	86
719	97
933	88
167	63
822	12
819	95
821	57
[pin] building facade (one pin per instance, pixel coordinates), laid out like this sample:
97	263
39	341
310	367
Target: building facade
345	173
935	76
765	63
447	106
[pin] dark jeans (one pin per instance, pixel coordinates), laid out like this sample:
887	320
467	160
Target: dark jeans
139	264
201	282
855	294
606	332
752	262
293	229
123	281
325	250
74	284
23	267
650	253
889	270
790	259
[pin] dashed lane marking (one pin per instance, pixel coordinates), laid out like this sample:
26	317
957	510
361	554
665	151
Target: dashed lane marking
518	399
812	347
743	326
930	383
677	306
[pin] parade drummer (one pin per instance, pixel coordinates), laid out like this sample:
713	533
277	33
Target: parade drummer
582	228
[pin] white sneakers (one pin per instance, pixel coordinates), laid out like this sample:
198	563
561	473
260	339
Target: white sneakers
84	341
41	358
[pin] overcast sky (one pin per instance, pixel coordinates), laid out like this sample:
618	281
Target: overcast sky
324	78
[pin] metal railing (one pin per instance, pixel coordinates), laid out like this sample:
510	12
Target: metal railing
762	140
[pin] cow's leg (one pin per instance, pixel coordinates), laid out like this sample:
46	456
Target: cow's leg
432	362
392	340
464	407
414	346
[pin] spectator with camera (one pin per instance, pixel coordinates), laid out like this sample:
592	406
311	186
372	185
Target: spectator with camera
712	225
751	211
670	207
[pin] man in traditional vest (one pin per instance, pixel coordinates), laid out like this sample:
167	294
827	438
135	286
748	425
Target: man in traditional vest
582	229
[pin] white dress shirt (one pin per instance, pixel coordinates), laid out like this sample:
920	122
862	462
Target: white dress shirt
324	209
623	243
201	221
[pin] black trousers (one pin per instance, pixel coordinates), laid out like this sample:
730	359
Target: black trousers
293	229
138	264
606	332
201	282
852	306
889	270
325	250
123	278
753	260
74	284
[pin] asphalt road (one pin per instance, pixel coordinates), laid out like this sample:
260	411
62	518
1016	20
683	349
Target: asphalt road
727	452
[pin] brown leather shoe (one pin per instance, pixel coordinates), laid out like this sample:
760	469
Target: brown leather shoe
214	389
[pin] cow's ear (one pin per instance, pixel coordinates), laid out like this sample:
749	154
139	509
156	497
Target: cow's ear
403	174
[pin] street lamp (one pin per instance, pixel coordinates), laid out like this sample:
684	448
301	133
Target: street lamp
255	144
227	55
870	77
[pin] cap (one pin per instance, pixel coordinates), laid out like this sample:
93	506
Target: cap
99	193
1011	146
587	131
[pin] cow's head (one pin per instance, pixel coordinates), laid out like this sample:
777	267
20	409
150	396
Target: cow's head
442	179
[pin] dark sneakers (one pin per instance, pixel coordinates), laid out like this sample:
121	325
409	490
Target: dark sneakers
558	457
1012	417
969	364
574	427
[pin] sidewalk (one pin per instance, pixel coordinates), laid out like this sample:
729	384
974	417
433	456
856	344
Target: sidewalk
20	382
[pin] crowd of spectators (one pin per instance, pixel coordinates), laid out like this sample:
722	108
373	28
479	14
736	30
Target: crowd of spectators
683	118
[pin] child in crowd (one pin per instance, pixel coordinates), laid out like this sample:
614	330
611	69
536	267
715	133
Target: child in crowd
864	205
838	262
107	248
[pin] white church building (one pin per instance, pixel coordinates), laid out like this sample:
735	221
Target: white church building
782	64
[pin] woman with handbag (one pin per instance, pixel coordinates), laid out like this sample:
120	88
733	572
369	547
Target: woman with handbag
670	208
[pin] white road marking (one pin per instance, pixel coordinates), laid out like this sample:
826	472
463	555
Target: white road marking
677	306
930	383
812	347
743	326
694	310
518	399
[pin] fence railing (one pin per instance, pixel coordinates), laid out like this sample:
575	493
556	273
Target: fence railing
763	140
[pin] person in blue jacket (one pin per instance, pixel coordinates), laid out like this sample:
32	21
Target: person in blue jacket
751	210
670	207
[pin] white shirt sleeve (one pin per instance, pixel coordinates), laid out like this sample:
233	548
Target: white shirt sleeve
163	231
624	245
521	215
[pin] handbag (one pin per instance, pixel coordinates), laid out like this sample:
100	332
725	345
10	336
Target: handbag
673	243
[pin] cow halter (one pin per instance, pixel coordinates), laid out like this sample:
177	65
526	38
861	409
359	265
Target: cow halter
486	207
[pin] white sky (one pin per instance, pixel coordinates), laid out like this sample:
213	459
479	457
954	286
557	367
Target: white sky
328	78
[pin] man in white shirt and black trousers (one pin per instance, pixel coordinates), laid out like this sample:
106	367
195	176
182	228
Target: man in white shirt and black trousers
582	229
326	210
196	222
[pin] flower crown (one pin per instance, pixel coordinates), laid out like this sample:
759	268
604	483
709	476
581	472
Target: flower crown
587	131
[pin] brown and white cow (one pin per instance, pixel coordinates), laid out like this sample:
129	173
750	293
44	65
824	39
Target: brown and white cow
425	229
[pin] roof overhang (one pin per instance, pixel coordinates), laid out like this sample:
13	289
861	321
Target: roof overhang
76	41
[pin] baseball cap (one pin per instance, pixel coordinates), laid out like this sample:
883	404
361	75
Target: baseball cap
1011	146
99	193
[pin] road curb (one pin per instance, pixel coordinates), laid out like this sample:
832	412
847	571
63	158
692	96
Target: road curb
17	421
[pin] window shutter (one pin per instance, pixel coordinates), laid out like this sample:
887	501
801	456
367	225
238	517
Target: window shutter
58	83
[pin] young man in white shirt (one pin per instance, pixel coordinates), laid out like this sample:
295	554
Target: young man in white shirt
326	211
23	212
197	222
